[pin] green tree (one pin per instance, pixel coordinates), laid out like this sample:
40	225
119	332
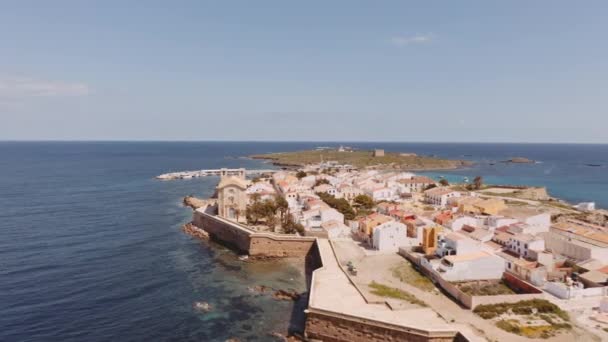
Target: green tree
281	205
444	182
291	227
364	202
301	174
255	197
340	204
321	181
261	210
430	186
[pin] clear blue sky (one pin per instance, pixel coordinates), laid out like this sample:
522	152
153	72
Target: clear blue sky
517	71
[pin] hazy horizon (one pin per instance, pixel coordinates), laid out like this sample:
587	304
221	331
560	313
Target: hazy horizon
337	142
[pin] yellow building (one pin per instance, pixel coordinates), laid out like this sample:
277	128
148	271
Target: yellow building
429	239
368	223
490	206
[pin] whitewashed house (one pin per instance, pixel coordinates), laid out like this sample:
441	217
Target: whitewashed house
380	193
349	192
540	221
389	236
456	244
521	244
439	196
326	188
314	218
458	222
479	265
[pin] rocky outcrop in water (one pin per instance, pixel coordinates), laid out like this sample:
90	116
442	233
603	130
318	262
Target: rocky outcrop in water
194	203
195	231
286	295
519	160
278	294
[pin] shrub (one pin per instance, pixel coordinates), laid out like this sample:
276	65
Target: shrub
509	326
340	204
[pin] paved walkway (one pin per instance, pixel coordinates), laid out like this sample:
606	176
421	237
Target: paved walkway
332	291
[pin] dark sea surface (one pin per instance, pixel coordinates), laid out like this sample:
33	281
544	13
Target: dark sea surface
91	247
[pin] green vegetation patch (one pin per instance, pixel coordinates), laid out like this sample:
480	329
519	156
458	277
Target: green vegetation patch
360	159
340	204
484	288
540	306
409	275
391	292
531	331
528	310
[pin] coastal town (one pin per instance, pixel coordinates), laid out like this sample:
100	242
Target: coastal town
400	256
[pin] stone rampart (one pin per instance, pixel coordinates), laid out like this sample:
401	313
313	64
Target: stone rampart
249	241
332	327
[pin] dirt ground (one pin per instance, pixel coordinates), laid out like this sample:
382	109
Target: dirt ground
378	268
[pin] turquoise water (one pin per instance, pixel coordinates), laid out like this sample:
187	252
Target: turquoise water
91	247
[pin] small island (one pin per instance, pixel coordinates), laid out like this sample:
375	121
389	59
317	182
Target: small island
376	159
519	160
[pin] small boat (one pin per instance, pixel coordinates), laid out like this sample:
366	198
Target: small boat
244	257
465	179
594	165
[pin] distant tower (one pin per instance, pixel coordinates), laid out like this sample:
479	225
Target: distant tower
378	153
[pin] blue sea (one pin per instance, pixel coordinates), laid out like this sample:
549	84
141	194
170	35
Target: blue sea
91	247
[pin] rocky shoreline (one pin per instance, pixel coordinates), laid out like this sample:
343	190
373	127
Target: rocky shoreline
195	231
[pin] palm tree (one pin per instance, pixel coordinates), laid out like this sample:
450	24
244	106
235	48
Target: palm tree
255	197
281	205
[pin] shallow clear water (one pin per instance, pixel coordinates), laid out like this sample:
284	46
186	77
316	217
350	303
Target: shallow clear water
91	247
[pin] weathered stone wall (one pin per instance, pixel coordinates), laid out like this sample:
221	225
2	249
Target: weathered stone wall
249	241
331	328
267	245
218	230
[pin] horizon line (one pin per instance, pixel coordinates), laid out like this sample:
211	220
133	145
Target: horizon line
302	141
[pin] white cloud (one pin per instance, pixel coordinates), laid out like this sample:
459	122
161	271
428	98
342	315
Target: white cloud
22	87
411	40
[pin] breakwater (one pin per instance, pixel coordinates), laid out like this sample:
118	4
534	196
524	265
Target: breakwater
209	172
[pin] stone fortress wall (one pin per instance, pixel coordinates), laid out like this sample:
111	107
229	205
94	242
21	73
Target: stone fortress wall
324	325
248	241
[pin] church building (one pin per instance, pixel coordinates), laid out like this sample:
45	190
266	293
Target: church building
231	195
